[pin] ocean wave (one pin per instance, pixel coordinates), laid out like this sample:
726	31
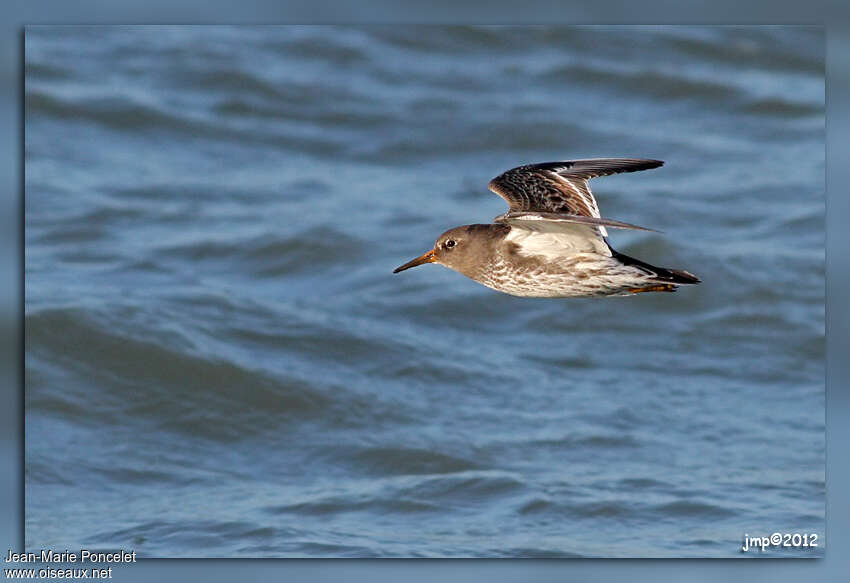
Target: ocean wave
739	46
34	70
693	509
273	255
340	505
406	461
462	489
782	108
111	111
445	40
126	115
336	49
661	84
162	382
583	442
651	82
494	136
173	538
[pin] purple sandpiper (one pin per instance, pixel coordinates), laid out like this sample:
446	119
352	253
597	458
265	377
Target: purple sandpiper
552	242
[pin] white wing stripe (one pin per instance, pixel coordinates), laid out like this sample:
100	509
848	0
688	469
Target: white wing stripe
555	240
586	196
567	218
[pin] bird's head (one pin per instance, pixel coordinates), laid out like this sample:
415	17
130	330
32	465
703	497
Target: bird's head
463	249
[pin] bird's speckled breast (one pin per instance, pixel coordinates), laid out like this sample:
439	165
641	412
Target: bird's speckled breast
579	275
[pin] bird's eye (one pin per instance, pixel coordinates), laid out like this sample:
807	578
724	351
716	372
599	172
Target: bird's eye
450	243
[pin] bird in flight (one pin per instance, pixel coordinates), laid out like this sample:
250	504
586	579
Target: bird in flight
552	242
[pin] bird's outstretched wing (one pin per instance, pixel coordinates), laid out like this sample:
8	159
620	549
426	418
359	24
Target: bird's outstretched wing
566	218
539	190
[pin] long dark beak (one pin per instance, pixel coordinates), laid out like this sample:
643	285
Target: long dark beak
424	258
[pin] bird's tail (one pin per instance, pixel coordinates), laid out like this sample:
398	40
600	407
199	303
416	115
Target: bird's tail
667	279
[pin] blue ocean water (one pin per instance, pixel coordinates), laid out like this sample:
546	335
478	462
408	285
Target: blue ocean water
219	362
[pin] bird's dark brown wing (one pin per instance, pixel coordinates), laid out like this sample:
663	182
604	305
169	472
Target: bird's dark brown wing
561	187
